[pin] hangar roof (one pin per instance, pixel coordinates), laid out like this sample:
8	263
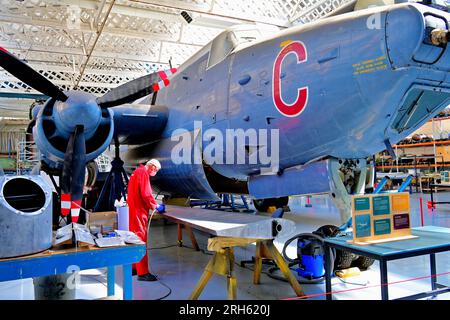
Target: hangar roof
99	44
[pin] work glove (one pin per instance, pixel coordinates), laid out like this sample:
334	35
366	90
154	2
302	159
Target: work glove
161	208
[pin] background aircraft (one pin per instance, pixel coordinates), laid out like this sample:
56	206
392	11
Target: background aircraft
338	90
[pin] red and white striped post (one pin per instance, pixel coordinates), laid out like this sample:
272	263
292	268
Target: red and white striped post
421	211
308	202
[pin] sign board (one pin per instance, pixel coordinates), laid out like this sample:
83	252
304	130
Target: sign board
381	218
445	177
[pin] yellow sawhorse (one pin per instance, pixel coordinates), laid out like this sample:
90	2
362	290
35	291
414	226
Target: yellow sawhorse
180	227
222	263
190	233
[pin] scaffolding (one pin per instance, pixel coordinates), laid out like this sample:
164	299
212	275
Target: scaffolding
27	155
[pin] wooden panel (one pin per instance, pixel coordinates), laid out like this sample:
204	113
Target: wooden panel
218	243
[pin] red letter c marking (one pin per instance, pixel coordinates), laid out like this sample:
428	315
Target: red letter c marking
295	108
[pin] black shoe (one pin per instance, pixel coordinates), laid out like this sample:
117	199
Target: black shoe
147	277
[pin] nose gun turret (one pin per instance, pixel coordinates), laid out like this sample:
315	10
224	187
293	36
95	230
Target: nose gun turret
439	37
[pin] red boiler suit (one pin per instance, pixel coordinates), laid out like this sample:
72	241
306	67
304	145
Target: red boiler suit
140	200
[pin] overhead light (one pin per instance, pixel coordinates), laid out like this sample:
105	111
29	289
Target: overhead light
205	20
186	16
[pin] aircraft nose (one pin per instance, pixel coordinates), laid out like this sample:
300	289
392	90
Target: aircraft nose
416	35
439	37
79	109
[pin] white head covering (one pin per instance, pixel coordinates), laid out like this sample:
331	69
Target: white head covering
155	163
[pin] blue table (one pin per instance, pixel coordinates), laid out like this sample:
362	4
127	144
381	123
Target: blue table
56	261
431	240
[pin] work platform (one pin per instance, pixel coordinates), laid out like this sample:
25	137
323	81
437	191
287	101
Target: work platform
228	230
57	261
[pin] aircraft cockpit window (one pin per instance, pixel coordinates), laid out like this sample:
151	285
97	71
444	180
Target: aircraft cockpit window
228	40
439	4
221	47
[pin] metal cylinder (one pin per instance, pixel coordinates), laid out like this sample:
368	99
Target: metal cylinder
25	215
53	287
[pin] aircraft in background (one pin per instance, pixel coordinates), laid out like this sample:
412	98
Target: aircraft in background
334	92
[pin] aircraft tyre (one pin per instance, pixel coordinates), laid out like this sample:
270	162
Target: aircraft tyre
281	202
343	259
363	263
262	205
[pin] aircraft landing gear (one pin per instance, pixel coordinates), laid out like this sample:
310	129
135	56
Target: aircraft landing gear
262	205
348	176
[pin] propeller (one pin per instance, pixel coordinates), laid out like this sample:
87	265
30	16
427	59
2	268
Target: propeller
25	73
135	89
68	105
72	177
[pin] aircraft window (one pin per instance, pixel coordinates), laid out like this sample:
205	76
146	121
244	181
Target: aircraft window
221	47
228	40
202	66
439	4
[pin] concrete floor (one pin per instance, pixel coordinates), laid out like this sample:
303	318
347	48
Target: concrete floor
180	268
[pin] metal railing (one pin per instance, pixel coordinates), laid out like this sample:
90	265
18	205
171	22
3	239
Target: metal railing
27	156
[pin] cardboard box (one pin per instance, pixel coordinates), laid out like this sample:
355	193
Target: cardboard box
102	221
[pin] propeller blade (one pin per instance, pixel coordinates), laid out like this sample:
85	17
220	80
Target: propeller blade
135	89
28	75
78	172
66	177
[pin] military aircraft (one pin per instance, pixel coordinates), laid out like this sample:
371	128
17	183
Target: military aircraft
320	98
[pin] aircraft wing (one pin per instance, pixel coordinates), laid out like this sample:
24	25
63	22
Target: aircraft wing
230	224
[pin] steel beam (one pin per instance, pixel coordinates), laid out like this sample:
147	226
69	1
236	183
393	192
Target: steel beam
78	52
86	28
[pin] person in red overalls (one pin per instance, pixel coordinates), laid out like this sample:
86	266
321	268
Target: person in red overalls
140	201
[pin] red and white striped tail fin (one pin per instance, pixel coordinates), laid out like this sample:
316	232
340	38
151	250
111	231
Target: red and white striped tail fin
65	204
75	210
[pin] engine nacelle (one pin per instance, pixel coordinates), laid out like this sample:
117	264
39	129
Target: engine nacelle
187	179
56	120
25	215
136	124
